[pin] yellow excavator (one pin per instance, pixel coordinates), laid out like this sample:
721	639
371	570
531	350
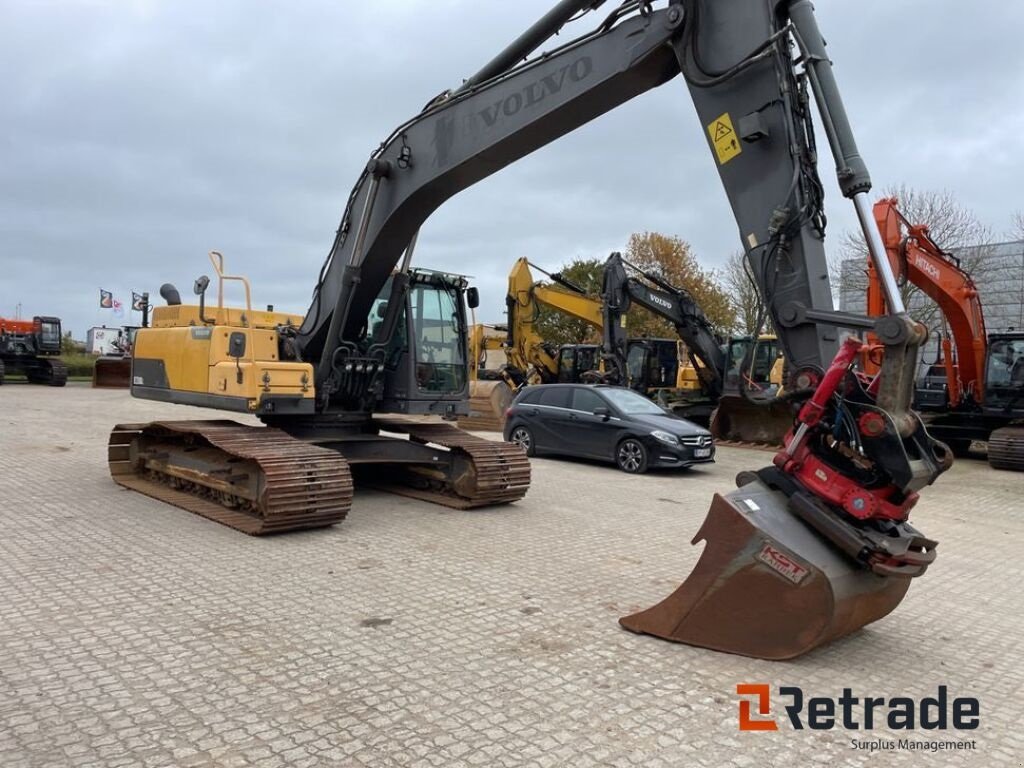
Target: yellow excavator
528	357
731	386
806	550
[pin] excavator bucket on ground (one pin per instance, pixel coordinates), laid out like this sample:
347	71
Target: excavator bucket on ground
766	585
112	373
489	400
736	419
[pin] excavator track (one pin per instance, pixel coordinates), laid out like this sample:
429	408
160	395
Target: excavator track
484	472
1006	448
52	373
258	480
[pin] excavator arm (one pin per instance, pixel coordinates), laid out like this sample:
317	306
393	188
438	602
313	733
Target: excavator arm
851	468
741	71
620	291
525	346
916	258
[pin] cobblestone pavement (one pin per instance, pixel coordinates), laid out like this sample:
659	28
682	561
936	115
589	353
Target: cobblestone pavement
135	634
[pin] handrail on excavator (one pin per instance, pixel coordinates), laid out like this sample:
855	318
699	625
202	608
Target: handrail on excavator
217	259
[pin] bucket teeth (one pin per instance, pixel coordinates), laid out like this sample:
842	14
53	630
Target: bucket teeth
766	585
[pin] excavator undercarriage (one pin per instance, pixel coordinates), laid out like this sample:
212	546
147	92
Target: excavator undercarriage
262	480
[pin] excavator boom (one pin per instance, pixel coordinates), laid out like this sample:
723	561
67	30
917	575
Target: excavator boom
733	412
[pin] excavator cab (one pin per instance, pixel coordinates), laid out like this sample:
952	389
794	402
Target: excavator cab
755	360
1004	378
574	360
47	335
653	364
426	360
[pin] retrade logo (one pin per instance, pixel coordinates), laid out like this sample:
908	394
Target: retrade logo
849	712
764	702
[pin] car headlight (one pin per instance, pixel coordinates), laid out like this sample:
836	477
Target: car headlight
665	437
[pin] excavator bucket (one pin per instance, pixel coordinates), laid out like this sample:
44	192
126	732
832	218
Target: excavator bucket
489	401
112	372
766	585
736	419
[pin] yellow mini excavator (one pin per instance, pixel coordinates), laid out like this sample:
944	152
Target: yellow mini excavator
806	550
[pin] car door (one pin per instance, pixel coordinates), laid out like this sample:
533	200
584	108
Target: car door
586	433
549	417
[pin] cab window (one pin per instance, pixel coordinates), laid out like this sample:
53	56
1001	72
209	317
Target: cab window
567	365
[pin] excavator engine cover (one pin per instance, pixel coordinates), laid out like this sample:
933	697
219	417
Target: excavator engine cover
766	585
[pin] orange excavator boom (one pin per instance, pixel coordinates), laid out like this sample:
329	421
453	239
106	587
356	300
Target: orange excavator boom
917	259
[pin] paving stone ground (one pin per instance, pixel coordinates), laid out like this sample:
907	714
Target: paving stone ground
136	634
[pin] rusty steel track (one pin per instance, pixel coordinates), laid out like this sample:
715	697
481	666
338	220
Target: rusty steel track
256	479
483	473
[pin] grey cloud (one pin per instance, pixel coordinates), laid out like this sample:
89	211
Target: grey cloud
137	136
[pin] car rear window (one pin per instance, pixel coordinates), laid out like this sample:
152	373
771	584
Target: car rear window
557	397
587	400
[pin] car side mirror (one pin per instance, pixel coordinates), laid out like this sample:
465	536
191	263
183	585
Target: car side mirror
201	284
473	297
236	345
603	412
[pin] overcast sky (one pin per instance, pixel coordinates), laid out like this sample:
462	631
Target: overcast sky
139	134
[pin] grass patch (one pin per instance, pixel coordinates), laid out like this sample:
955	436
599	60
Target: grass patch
79	366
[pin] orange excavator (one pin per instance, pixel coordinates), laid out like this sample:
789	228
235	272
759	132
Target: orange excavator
980	394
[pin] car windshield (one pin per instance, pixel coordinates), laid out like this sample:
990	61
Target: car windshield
628	401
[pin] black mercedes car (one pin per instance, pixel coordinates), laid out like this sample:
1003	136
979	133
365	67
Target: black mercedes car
598	421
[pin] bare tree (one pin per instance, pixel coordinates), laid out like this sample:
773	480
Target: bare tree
746	301
951	226
1017	233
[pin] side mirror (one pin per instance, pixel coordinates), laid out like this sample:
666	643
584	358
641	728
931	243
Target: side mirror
382	309
603	412
201	285
236	345
473	297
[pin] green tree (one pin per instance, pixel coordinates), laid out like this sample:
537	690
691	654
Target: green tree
558	328
672	258
68	345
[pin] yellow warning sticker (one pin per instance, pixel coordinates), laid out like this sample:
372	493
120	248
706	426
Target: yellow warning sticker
723	137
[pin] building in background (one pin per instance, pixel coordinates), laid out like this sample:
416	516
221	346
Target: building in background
101	340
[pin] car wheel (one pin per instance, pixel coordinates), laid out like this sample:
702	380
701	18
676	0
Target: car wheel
631	456
522	437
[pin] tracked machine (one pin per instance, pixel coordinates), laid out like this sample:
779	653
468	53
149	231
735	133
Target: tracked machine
981	395
31	347
806	550
732	393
